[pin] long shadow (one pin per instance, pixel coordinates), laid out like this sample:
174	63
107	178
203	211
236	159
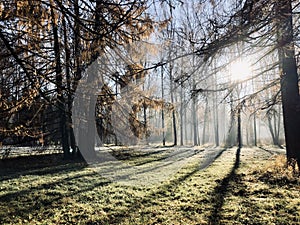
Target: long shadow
161	192
37	165
272	152
47	185
14	200
168	155
211	158
119	216
123	155
170	162
32	199
151	198
218	195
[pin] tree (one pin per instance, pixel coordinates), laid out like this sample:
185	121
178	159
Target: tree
273	119
22	29
52	43
288	79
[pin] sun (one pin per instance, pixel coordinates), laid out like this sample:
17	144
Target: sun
240	70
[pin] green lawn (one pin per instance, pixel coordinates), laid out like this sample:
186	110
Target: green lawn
247	188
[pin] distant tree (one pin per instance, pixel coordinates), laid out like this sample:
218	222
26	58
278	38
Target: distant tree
273	119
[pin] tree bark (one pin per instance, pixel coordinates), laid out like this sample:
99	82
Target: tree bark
70	93
289	80
59	88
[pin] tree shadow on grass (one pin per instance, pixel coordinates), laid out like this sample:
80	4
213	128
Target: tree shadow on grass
166	190
31	200
221	190
37	165
44	194
152	198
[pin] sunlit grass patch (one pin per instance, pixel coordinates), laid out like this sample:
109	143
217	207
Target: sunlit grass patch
230	190
263	197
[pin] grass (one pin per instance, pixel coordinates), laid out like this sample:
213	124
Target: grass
247	187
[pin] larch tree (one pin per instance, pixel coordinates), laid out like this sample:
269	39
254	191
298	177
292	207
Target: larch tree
52	43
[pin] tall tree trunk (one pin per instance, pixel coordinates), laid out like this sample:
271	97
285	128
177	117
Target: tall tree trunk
239	127
77	63
215	108
289	80
204	140
59	88
271	128
145	107
216	119
273	118
174	127
162	110
231	136
69	127
172	102
185	122
194	116
181	114
145	123
254	129
278	127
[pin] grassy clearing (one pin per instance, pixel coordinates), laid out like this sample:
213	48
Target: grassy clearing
247	188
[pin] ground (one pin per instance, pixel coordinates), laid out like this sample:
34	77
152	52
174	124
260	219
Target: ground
152	185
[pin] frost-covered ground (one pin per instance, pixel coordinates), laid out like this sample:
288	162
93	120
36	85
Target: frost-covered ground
148	165
152	185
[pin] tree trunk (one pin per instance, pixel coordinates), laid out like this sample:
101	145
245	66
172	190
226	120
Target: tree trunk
185	127
216	119
181	115
278	127
59	88
69	127
196	124
239	127
270	125
205	122
194	116
289	81
162	110
231	136
254	129
174	127
77	63
215	108
87	104
172	102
